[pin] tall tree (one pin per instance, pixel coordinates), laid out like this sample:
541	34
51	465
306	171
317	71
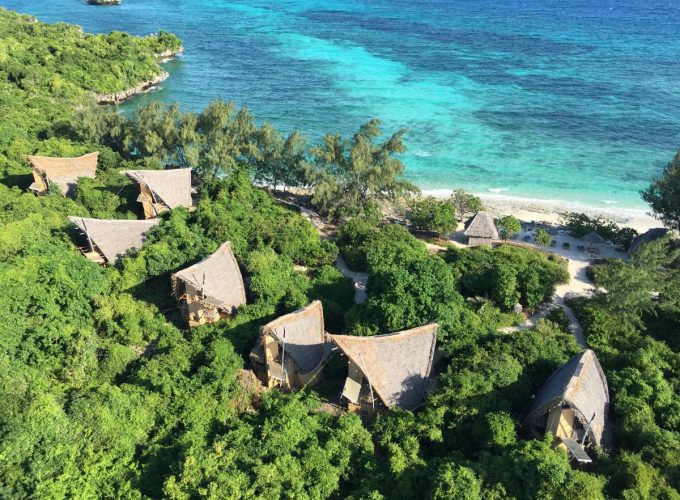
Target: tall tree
465	204
633	286
663	194
350	174
280	161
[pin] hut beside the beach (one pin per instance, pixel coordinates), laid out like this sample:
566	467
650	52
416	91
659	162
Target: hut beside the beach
573	405
211	289
109	240
292	349
594	238
390	370
481	229
162	190
648	237
62	172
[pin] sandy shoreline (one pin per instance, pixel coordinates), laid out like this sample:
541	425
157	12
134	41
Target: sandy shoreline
527	209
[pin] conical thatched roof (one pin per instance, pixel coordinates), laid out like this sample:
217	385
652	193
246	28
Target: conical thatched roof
648	237
218	278
582	385
593	238
481	226
64	172
397	365
114	238
172	187
304	335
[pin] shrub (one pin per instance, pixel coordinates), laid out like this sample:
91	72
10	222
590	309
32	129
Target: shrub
431	214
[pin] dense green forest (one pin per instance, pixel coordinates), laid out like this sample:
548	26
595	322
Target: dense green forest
104	394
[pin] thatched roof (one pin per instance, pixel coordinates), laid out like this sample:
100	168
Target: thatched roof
648	237
397	365
593	238
114	238
64	172
304	335
481	226
218	278
581	384
172	187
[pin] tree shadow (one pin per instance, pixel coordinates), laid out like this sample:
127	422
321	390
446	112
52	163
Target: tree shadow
21	181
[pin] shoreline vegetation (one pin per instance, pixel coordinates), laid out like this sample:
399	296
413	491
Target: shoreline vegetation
145	86
106	392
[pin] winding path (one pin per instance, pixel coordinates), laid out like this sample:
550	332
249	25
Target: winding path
359	280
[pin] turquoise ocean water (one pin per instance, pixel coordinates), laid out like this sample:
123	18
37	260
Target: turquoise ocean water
565	100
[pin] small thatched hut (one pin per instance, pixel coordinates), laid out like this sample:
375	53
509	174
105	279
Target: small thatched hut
573	405
292	349
63	172
109	240
594	238
481	229
211	289
651	235
388	370
162	190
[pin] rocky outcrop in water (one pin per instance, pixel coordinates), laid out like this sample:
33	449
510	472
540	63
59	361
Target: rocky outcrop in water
117	97
104	2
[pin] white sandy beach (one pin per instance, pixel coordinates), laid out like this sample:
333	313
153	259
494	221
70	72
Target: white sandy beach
548	211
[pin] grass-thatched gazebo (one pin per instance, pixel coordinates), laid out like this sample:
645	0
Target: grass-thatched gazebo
211	289
292	349
481	229
162	190
390	370
109	240
62	172
647	237
594	238
573	405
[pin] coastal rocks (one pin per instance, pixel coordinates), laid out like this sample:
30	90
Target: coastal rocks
168	55
104	2
118	97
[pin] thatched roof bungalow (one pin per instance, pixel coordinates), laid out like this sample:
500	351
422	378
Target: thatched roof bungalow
162	190
63	172
390	370
109	240
594	238
211	289
651	235
292	349
481	229
573	405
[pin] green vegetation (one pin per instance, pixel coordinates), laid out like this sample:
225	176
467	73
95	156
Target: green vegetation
104	396
581	224
45	70
431	214
663	194
543	237
508	226
466	204
633	327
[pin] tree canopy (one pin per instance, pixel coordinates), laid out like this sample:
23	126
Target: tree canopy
663	194
105	394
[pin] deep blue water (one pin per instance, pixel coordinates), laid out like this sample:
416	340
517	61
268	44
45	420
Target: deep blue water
572	100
